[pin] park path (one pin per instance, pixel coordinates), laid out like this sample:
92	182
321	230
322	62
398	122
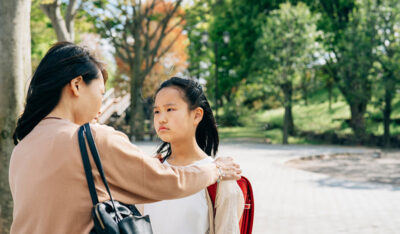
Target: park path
292	201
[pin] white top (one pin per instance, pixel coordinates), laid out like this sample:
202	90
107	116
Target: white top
188	215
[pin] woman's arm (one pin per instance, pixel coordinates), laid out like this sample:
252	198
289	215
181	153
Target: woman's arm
136	178
229	205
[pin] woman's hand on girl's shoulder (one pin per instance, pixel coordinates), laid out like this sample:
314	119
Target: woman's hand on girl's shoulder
230	170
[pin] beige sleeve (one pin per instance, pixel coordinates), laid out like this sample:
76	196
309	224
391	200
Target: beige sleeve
229	205
136	178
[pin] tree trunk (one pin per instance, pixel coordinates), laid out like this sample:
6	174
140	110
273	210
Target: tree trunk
288	109
288	125
64	31
389	91
15	69
151	130
137	113
304	88
137	79
70	18
330	96
289	101
357	120
305	96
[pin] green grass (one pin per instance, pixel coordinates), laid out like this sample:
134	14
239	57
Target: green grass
315	117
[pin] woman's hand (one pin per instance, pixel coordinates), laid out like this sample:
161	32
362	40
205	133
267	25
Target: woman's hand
228	168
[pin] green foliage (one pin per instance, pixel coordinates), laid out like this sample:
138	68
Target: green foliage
42	33
387	70
352	57
355	34
242	20
348	39
197	16
335	15
285	50
230	116
360	47
287	44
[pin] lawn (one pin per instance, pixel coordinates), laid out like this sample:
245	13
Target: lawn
315	117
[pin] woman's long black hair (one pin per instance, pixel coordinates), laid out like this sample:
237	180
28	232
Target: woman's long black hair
63	62
206	133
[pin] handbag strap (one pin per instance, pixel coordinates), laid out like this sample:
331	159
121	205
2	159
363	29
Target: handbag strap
96	157
88	170
87	167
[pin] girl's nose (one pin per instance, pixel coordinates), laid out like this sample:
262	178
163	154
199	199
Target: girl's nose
162	118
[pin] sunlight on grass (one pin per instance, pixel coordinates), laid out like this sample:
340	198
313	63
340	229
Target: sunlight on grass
315	117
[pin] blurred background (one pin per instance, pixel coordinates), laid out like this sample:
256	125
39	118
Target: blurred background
314	72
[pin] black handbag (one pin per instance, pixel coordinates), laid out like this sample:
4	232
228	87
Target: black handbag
110	216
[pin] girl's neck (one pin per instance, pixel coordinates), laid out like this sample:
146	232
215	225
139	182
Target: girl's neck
185	153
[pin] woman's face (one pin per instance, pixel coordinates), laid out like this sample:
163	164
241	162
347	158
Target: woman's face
90	99
173	120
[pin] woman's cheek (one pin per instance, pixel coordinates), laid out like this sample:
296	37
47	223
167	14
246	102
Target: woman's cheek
100	102
95	105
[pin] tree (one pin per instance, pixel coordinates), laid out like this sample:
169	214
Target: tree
197	16
63	26
350	60
44	31
173	62
137	31
15	69
242	19
388	55
286	47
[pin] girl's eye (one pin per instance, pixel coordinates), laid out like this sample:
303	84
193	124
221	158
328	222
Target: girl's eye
170	109
156	112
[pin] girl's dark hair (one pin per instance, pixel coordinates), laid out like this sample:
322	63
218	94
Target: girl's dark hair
63	62
206	132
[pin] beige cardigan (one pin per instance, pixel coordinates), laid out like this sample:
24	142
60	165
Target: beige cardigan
49	187
229	206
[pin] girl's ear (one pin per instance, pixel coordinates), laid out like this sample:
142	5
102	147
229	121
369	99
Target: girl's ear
75	85
198	115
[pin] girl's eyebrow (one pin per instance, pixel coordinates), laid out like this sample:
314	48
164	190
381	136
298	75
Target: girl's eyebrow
168	104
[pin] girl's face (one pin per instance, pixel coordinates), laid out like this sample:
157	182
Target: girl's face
173	120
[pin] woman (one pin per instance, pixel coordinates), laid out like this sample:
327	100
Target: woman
46	173
184	121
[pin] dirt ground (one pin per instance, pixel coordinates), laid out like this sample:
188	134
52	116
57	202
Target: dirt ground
378	167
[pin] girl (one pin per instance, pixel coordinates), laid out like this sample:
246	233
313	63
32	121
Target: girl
184	121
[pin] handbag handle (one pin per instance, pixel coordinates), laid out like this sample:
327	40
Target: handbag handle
88	169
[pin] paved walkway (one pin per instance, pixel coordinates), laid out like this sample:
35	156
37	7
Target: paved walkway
292	201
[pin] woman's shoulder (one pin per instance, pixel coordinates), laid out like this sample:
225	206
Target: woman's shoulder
105	131
101	128
106	136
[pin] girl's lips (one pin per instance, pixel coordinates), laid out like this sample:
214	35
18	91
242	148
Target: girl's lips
162	128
